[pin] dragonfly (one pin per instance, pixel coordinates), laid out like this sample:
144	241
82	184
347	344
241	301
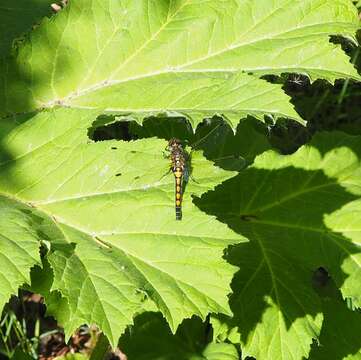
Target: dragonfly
181	167
215	139
179	158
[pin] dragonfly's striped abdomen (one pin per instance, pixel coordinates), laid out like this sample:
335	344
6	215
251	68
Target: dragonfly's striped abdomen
178	175
178	168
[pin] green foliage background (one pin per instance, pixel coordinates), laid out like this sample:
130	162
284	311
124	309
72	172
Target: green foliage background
243	266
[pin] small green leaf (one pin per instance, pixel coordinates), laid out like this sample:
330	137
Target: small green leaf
221	351
19	245
223	329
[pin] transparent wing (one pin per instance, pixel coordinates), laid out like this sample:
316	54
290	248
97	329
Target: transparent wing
216	147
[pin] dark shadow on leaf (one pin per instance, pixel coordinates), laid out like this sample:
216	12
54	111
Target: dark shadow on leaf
288	136
108	127
17	19
229	150
333	142
151	338
282	213
340	334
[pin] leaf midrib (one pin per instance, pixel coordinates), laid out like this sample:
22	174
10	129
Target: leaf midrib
94	234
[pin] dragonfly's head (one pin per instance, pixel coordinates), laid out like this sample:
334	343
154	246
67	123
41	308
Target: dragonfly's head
174	144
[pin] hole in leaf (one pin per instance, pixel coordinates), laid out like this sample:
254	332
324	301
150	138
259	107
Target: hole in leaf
320	278
215	137
107	127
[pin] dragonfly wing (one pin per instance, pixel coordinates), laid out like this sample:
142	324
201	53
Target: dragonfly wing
186	174
231	162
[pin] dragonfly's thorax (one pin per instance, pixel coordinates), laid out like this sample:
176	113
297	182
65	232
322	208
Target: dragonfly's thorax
177	155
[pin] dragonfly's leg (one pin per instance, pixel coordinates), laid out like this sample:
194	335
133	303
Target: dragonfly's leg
193	179
185	174
188	170
166	174
166	153
188	175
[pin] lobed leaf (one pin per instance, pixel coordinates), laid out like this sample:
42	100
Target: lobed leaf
19	245
221	351
184	57
107	208
114	239
300	212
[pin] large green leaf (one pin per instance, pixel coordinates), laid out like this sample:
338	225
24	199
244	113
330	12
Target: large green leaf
183	57
300	212
106	209
114	238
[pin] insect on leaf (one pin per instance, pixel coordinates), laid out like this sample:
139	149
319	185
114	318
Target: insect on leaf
114	239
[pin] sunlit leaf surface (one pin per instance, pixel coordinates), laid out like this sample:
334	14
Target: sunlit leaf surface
115	241
185	57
